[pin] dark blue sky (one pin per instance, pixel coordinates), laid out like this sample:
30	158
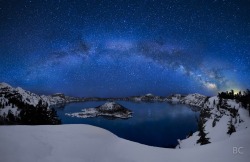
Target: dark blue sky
121	48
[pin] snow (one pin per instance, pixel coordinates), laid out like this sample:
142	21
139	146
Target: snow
108	106
30	98
86	113
194	100
138	99
149	95
233	104
4	85
26	96
219	131
175	99
33	99
6	110
79	143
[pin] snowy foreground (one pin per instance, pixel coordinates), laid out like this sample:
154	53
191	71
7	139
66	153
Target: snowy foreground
73	143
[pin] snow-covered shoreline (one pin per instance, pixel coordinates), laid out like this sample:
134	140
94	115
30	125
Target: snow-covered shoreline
78	143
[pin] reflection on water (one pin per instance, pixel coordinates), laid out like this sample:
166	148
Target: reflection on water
155	124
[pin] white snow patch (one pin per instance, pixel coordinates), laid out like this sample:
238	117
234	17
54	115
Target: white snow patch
78	143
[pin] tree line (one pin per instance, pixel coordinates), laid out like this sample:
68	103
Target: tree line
243	97
30	115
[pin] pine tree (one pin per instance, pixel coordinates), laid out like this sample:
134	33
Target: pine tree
218	107
203	140
231	128
249	110
4	115
220	101
39	115
10	117
53	117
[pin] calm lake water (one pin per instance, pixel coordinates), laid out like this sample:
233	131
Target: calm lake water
154	124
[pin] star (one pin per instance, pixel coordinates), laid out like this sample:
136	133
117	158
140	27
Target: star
109	48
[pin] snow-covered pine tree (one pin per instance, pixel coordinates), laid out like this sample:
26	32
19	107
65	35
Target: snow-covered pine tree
203	140
231	128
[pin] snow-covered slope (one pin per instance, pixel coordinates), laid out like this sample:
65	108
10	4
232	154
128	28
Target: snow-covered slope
27	97
59	99
195	99
80	143
217	123
8	94
145	98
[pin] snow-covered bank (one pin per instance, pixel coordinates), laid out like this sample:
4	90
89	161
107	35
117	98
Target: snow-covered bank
218	120
81	143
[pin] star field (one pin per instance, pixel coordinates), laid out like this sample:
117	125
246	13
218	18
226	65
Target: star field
122	48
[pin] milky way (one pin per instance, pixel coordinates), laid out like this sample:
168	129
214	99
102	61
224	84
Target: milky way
121	48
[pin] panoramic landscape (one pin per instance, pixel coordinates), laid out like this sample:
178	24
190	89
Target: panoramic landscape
124	81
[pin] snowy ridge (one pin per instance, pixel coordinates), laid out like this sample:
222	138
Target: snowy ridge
195	99
145	98
4	85
24	96
7	93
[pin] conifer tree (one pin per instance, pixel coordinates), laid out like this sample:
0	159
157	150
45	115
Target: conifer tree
231	128
204	113
10	117
201	128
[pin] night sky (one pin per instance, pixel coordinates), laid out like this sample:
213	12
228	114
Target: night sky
122	48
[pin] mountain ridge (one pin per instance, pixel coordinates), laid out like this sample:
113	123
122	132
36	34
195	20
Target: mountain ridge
59	98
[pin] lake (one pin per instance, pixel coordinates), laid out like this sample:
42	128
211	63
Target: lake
155	124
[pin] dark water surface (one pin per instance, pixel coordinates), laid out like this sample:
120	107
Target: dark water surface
156	124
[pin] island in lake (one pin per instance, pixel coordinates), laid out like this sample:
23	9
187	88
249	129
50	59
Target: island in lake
109	109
